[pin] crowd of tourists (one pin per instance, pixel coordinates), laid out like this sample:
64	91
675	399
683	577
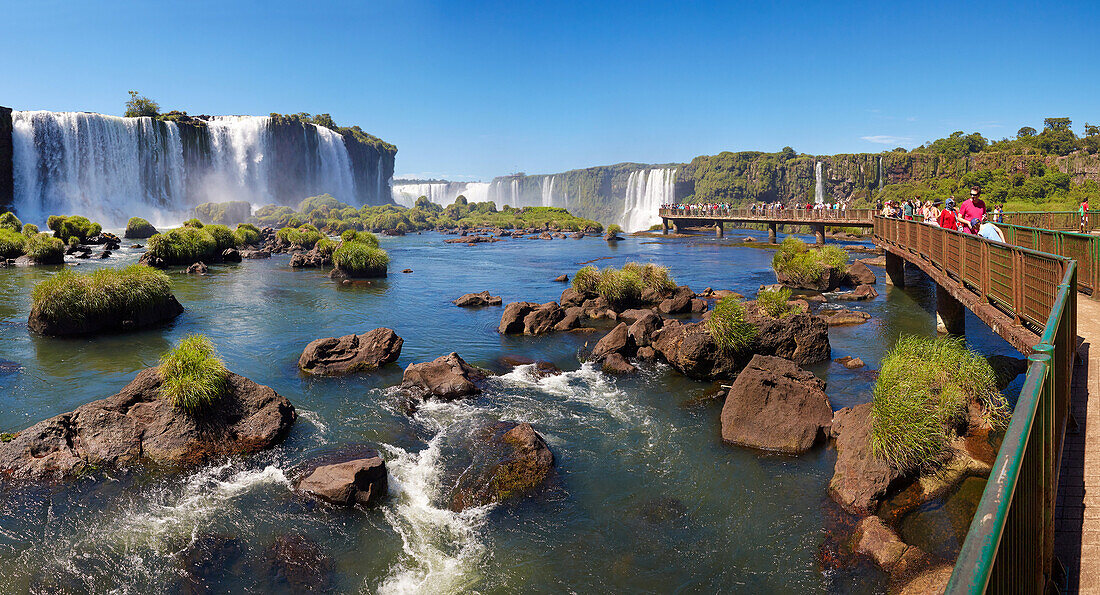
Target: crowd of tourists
760	208
970	217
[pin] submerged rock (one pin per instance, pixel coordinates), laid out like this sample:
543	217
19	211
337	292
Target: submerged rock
477	300
359	481
447	377
775	405
843	317
852	363
863	292
199	268
513	462
137	425
298	562
351	353
562	278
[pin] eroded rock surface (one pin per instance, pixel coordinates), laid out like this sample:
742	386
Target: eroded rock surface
775	405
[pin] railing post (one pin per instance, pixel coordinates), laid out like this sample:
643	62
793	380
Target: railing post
1044	422
1017	285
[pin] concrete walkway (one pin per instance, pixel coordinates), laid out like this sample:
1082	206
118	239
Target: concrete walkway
1077	520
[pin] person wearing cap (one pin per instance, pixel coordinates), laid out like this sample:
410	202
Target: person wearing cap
987	230
948	219
971	208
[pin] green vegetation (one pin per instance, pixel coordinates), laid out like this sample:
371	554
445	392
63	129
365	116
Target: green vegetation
75	226
625	285
139	228
613	230
29	229
797	261
326	247
225	213
775	302
247	234
140	105
305	236
193	378
325	120
728	327
7	437
11	243
360	259
223	237
104	292
360	236
43	248
193	222
10	222
922	396
184	245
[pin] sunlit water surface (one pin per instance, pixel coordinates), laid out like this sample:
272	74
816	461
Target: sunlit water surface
645	498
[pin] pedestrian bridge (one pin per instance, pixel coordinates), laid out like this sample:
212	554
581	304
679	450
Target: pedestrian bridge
1034	531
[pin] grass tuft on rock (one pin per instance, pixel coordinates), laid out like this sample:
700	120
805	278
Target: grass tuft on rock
44	248
66	228
10	222
247	234
305	236
585	280
29	229
360	259
365	237
223	237
192	376
922	396
138	228
775	302
623	286
796	260
11	243
183	246
728	327
104	292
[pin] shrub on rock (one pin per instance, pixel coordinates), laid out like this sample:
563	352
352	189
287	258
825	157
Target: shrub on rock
728	326
193	378
29	229
183	246
304	235
11	243
247	234
10	222
798	265
138	228
225	213
193	223
224	239
42	248
75	226
360	259
775	302
104	300
922	399
625	286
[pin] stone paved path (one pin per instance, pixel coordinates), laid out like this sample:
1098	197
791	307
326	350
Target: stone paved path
1077	520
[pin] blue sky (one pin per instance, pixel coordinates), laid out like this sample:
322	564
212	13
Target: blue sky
470	90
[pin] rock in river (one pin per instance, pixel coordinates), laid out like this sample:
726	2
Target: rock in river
775	405
360	481
446	377
477	300
351	353
138	425
860	479
513	461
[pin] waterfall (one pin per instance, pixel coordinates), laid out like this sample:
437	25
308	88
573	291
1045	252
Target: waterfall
881	176
441	193
646	191
110	169
819	187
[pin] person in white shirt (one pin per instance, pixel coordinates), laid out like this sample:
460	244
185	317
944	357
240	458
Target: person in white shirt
988	231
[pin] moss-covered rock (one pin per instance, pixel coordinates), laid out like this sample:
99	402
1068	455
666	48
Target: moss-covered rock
512	461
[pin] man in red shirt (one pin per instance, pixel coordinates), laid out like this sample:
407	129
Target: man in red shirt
947	218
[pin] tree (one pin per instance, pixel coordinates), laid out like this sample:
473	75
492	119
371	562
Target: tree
140	105
325	120
1026	132
1057	124
787	153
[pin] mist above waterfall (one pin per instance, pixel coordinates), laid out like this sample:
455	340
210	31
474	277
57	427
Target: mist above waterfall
110	168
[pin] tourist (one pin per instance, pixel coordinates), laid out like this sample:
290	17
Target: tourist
1083	210
907	210
948	218
987	230
971	209
998	215
931	213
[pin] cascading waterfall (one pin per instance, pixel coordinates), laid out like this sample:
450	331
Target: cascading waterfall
819	187
646	191
109	168
881	176
441	193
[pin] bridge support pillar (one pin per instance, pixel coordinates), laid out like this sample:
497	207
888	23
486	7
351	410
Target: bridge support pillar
772	233
719	231
950	313
895	269
675	226
819	233
664	226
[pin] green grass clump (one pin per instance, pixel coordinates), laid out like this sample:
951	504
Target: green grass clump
29	229
183	246
365	237
921	399
360	259
11	243
305	235
775	302
10	222
619	286
613	230
223	237
102	293
728	327
247	234
138	228
625	285
795	260
585	280
193	223
75	226
326	247
192	376
42	247
653	276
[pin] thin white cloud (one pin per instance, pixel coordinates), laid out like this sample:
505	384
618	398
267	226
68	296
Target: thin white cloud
886	139
435	175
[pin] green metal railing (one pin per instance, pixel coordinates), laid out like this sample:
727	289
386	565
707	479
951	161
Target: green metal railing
1058	220
1009	547
1082	247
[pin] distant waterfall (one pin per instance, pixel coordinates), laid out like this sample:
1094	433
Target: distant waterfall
881	176
441	193
110	168
819	186
646	191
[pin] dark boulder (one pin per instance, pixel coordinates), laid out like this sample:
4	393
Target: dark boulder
571	320
231	255
859	274
829	280
359	481
137	425
256	254
863	292
513	461
615	363
775	405
616	341
642	329
843	317
351	353
679	302
511	320
860	479
199	268
297	562
571	297
562	279
852	363
446	377
477	300
542	319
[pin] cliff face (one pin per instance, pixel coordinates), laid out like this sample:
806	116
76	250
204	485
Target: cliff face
754	176
7	181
